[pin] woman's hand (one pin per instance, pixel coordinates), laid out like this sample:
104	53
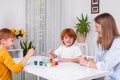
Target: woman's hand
83	61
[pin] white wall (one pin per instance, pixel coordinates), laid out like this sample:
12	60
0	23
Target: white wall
112	7
74	8
12	13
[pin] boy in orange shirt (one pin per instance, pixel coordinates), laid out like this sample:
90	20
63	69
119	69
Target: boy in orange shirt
7	65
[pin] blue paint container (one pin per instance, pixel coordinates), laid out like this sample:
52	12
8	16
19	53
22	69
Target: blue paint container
41	63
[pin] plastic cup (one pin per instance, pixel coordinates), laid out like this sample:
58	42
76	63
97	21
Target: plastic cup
35	62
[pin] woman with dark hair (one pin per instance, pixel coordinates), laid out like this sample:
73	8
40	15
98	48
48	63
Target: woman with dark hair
107	56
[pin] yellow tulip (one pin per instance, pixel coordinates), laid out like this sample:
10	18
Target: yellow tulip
24	34
17	32
12	29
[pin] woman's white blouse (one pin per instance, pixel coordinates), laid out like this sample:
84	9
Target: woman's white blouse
109	59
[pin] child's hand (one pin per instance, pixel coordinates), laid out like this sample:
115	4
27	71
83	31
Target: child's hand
30	52
78	58
28	55
50	51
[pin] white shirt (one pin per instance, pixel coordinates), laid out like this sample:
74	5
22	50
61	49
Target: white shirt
68	52
109	59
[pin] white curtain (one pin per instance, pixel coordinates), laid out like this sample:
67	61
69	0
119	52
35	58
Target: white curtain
43	24
53	23
36	23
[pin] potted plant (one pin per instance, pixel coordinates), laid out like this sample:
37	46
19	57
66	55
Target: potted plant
82	28
26	46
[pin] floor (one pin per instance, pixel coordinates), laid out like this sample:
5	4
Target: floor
27	76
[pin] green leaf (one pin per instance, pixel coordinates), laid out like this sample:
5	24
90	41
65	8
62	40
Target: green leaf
24	52
83	25
30	45
22	45
33	47
26	46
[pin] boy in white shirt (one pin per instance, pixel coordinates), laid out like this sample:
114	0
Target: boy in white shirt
68	51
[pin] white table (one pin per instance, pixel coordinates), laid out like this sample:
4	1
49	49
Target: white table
64	71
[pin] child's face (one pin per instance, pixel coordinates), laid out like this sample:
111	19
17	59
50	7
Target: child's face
8	44
68	41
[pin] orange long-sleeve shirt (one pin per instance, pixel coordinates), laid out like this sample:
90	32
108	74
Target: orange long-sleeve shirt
7	65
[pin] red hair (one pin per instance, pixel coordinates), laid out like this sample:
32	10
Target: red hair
69	32
6	33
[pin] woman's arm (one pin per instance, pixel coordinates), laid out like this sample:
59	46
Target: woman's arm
87	62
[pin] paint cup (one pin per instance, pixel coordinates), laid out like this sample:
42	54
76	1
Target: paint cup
40	63
35	62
